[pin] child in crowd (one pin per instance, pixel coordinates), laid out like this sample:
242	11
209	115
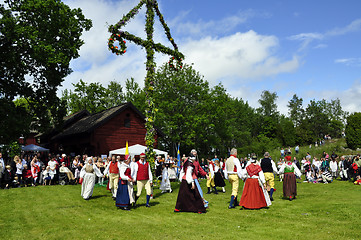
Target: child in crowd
165	185
27	176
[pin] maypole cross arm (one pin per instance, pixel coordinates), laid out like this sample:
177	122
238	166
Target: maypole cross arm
117	35
175	62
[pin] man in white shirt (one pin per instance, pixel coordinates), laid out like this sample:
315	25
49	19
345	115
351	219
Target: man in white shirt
232	172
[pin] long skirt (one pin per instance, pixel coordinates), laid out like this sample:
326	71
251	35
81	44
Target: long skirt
87	186
218	180
122	199
252	196
289	185
165	185
172	173
189	200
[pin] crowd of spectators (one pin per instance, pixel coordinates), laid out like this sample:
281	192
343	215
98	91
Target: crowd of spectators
32	169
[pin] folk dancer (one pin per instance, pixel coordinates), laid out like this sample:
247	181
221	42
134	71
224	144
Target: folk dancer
143	175
269	168
218	177
125	193
289	184
254	194
198	170
113	172
88	173
210	179
189	198
233	172
165	185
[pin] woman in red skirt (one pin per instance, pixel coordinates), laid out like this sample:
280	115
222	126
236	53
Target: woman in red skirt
290	171
254	195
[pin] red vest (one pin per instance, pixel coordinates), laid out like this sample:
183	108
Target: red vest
143	171
113	168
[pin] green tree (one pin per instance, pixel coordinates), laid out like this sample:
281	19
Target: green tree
353	131
317	118
38	39
86	96
181	98
268	104
295	110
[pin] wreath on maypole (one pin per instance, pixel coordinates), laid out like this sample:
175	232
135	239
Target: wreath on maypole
117	44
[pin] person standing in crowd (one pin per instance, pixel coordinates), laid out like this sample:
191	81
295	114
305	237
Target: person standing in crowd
143	175
88	173
125	193
100	166
348	167
341	167
357	160
268	167
53	164
113	172
35	169
19	169
232	172
189	198
210	179
282	152
8	177
215	158
333	167
2	169
289	183
297	149
254	195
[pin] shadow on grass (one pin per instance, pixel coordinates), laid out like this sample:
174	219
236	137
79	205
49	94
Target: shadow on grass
150	203
98	196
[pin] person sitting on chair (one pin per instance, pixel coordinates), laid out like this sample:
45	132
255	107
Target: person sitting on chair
66	170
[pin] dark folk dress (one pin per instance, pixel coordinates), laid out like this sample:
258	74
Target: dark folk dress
218	179
123	200
189	200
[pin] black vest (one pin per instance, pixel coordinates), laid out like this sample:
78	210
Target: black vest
266	165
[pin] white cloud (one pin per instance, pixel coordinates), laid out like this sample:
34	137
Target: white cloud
307	38
349	98
354	26
241	56
203	28
349	61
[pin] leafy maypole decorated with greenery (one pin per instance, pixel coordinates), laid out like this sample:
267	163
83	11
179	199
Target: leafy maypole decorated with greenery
117	44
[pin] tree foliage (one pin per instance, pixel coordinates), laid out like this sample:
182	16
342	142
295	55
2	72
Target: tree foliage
353	131
38	38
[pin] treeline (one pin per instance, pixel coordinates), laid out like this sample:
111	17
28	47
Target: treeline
192	113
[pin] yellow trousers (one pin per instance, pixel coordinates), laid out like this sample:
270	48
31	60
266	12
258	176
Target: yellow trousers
234	180
143	184
113	180
210	181
270	179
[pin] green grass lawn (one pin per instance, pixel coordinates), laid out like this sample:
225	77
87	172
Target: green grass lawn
321	211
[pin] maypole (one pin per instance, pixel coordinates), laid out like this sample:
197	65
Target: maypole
117	44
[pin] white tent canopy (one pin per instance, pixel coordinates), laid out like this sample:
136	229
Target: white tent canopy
136	149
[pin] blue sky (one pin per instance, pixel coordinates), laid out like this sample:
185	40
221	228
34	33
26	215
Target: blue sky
308	48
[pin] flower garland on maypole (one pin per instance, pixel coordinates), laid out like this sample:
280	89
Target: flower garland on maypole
118	36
